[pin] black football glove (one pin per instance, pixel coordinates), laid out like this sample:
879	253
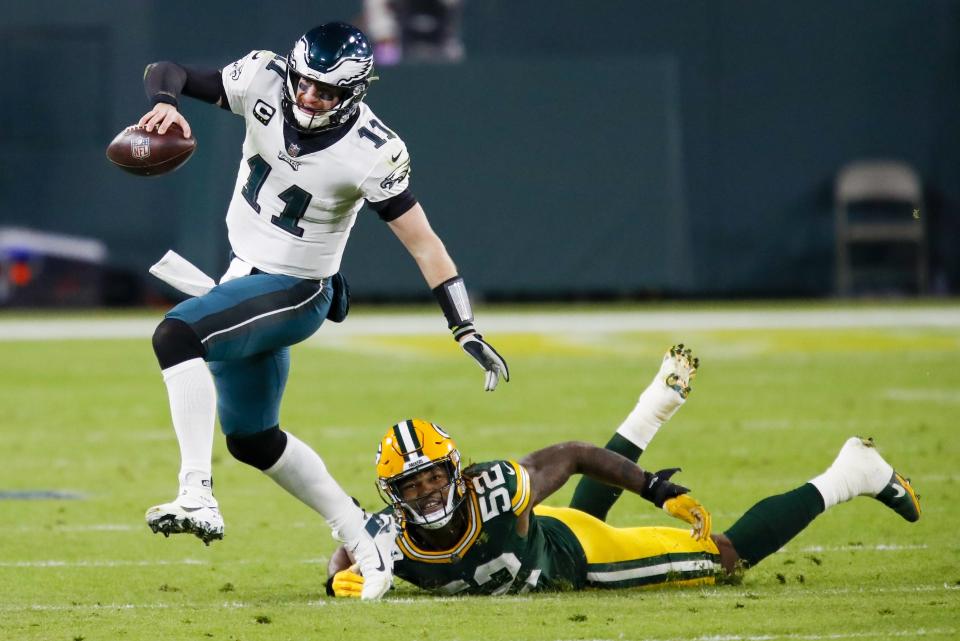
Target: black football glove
657	489
488	358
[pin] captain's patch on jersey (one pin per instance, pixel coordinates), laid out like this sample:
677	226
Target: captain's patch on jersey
263	112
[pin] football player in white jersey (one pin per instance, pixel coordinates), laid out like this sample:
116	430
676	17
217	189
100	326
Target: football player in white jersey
312	155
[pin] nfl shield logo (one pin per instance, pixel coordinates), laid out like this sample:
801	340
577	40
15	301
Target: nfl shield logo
293	149
140	147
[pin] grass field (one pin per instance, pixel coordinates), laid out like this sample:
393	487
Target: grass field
769	410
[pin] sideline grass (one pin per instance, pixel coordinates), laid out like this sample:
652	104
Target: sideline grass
769	410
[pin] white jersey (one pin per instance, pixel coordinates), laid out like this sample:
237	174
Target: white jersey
292	207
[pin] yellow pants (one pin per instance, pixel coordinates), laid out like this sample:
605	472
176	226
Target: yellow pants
648	556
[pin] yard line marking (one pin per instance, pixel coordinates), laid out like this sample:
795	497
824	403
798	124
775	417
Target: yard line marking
101	527
936	478
406	601
36	607
105	527
920	632
534	323
39	607
879	547
112	563
115	563
908	395
39	495
93	527
722	592
97	564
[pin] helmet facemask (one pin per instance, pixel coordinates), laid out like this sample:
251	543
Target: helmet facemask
308	120
410	457
435	508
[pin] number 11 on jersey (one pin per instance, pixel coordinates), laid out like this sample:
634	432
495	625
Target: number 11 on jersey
295	199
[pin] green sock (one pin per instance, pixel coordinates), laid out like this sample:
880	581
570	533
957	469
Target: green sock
768	525
596	498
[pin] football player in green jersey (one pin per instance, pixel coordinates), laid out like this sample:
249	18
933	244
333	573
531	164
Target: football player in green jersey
483	530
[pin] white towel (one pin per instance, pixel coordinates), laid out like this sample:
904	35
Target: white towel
181	274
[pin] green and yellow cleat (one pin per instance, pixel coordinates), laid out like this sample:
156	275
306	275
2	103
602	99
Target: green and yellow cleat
900	497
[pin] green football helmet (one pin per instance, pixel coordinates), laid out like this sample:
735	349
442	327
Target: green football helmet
338	60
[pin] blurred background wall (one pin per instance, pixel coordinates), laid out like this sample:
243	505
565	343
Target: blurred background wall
610	149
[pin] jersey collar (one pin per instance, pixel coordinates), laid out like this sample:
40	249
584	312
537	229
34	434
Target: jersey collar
298	144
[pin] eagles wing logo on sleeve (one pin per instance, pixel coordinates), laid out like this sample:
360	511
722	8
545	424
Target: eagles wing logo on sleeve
396	177
236	70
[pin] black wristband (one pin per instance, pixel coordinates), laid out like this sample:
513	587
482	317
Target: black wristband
330	591
658	489
455	303
165	98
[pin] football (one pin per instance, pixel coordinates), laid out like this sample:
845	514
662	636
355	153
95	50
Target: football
147	153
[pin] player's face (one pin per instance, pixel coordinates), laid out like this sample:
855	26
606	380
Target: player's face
315	96
426	490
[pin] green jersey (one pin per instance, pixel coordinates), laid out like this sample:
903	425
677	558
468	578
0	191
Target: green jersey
491	557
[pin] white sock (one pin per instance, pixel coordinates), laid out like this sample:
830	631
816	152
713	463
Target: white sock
655	406
193	407
856	471
832	488
301	472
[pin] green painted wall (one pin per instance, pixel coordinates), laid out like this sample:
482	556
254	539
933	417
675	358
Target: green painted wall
609	148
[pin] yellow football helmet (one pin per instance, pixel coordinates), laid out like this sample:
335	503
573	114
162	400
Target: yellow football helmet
408	449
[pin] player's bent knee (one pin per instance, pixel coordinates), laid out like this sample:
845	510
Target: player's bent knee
175	342
261	450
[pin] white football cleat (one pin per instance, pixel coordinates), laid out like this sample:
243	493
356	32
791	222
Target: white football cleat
661	399
372	551
194	511
859	470
677	370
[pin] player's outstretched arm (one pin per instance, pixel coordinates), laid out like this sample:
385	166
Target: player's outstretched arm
414	231
550	468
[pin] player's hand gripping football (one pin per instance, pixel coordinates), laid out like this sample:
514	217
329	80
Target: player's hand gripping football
162	116
492	363
347	583
689	509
